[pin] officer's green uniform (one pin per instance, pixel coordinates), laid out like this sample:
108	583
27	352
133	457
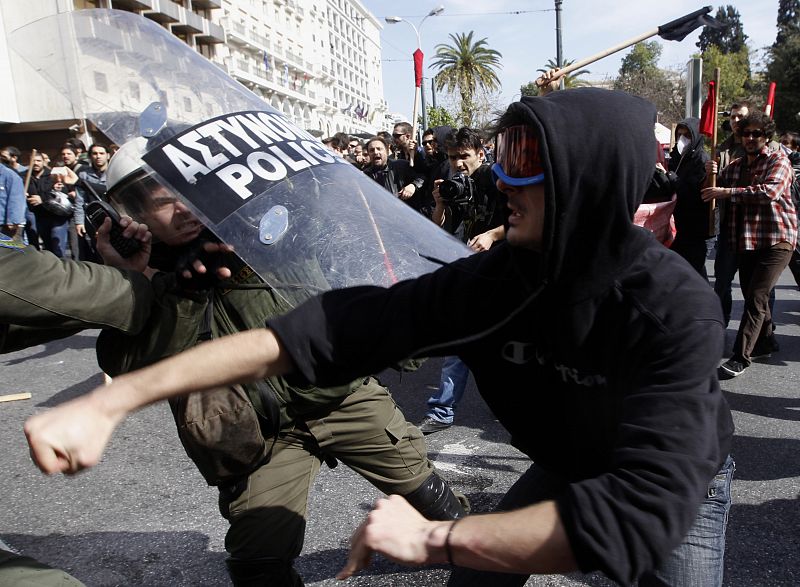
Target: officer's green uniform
265	503
44	298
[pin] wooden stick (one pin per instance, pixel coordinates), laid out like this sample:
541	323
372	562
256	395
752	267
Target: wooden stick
598	56
711	223
15	397
30	170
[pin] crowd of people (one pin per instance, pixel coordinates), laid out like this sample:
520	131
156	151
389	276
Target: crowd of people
609	385
45	202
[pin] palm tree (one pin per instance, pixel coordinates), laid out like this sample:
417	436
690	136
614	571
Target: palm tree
571	79
466	67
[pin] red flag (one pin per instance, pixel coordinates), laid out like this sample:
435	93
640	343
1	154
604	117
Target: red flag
708	115
769	107
418	67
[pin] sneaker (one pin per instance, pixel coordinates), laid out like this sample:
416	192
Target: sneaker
430	425
731	368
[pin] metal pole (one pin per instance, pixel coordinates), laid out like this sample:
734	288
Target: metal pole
424	106
559	54
433	91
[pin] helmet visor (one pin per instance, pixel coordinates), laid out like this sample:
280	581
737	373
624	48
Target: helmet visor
517	157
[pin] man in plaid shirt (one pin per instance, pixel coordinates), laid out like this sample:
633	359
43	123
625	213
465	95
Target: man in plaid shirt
763	228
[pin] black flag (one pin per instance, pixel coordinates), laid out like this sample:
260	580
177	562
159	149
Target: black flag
680	27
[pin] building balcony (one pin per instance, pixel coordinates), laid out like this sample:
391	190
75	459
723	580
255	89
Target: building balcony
190	23
238	34
212	33
164	12
204	4
134	4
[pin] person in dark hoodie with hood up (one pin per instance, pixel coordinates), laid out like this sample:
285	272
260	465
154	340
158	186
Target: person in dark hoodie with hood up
692	214
598	353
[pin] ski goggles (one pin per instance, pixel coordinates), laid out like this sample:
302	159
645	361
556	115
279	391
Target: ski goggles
517	161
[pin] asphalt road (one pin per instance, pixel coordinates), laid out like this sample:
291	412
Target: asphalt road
144	516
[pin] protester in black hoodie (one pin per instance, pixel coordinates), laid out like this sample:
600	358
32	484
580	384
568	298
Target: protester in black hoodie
692	214
598	352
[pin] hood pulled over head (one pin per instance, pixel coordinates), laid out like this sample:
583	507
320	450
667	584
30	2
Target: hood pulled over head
597	153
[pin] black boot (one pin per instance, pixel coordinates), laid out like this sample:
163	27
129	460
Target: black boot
436	501
262	572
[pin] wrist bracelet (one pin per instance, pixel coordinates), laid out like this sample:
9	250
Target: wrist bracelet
447	547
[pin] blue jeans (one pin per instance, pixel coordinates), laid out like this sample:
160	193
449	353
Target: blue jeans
452	384
696	562
54	234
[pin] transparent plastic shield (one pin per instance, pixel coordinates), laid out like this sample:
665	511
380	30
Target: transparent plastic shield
302	218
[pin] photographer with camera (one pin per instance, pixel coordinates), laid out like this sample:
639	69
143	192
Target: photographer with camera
470	206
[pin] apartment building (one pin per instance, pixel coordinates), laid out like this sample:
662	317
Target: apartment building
316	61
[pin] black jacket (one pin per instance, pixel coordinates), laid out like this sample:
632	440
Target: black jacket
691	213
599	354
396	175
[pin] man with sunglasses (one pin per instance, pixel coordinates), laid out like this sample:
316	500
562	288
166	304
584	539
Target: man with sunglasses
762	224
594	346
406	145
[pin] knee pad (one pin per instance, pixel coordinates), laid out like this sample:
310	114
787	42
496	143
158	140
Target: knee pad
436	501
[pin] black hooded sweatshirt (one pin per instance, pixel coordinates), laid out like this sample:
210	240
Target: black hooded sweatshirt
599	354
691	212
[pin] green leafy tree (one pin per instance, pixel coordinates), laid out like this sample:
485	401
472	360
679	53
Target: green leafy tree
640	75
788	20
466	67
529	89
734	68
439	116
782	66
730	37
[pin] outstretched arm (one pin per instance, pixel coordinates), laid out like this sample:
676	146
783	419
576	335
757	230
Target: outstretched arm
72	436
529	540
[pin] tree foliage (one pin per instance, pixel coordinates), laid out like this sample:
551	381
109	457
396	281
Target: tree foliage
734	68
783	68
468	68
439	116
529	89
640	75
788	20
730	37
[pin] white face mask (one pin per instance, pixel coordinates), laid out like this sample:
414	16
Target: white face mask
683	142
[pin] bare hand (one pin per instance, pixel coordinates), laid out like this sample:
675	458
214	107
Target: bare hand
482	242
407	192
435	192
210	249
549	81
136	262
81	230
715	194
70	437
711	167
34	200
395	530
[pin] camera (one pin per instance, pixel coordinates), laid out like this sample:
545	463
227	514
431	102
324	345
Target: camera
459	189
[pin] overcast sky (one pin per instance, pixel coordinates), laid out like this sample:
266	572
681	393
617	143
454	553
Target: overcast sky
527	39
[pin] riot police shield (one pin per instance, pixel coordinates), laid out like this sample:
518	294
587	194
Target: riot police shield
304	219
